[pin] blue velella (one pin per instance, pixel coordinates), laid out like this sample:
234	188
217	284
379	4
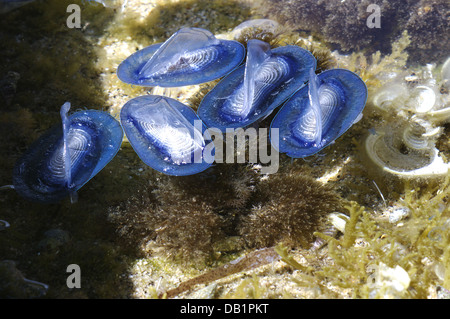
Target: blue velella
254	90
320	112
190	56
167	135
66	157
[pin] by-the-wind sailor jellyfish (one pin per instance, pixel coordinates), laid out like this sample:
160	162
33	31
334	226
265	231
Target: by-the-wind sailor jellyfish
190	56
319	113
66	157
254	90
167	135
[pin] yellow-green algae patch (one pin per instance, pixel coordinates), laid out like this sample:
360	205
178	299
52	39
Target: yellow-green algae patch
418	244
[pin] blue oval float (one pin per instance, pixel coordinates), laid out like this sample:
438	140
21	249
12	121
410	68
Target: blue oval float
87	141
254	90
319	113
167	135
190	56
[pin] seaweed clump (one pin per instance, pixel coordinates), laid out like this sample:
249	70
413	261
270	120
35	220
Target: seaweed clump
323	55
222	210
186	217
288	208
258	33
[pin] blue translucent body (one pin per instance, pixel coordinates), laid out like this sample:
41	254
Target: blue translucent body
93	138
254	90
320	112
190	56
167	135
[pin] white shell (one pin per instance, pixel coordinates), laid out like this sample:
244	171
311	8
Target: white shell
398	213
384	98
420	134
338	220
384	149
423	99
440	116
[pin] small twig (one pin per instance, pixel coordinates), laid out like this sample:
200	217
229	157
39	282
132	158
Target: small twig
250	261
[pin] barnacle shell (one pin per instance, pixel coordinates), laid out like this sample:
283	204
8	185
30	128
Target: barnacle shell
385	97
419	134
87	141
407	151
423	99
190	56
254	90
167	135
319	113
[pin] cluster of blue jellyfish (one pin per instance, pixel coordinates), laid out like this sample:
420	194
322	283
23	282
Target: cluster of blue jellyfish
170	137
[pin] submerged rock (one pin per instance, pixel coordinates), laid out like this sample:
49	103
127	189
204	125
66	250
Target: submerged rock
425	20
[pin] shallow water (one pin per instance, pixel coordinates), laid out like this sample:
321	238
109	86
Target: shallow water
134	230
